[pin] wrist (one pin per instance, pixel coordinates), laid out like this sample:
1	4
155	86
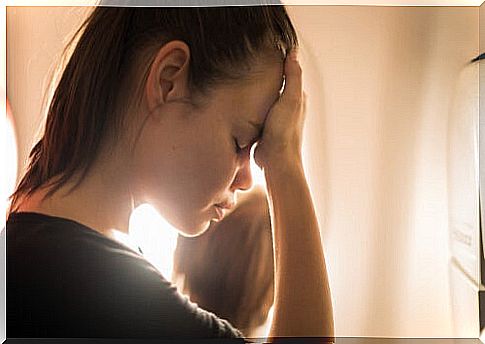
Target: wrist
286	165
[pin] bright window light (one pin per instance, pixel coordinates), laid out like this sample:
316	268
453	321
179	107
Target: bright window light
256	172
156	238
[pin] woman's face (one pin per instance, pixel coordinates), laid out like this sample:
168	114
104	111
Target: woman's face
187	161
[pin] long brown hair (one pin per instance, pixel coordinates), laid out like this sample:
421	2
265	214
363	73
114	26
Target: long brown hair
112	45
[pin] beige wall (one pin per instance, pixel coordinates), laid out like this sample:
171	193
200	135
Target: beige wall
35	39
380	82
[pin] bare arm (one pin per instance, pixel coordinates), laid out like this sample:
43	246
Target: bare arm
303	305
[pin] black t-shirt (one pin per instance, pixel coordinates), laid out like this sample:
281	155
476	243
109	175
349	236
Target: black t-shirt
67	280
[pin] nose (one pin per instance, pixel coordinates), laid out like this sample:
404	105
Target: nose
243	179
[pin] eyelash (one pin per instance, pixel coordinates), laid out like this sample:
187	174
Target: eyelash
238	149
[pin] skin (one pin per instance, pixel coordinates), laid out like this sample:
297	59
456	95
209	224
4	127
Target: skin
184	161
181	159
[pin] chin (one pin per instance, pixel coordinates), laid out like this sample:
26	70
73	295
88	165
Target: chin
194	230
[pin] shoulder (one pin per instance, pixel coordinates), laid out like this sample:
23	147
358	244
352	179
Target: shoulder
36	240
100	287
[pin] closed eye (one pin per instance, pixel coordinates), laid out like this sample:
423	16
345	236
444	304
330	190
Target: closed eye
239	149
242	149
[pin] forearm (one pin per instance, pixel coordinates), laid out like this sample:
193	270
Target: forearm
303	304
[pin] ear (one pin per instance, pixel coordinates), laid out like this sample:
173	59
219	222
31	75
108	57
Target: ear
168	76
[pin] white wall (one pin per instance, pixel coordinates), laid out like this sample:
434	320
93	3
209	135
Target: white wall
380	82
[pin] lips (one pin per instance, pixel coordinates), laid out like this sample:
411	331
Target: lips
222	208
219	212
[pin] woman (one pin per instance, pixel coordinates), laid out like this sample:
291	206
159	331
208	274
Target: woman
162	106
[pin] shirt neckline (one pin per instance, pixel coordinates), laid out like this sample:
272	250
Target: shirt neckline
32	216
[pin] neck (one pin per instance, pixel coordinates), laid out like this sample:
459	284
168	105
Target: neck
103	201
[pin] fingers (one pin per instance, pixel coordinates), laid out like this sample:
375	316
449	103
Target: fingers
292	92
281	137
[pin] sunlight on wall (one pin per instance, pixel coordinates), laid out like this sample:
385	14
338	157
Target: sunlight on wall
155	236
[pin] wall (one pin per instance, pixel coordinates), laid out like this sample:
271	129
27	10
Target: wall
380	81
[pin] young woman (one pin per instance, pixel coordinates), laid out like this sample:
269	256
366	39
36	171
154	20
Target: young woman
162	106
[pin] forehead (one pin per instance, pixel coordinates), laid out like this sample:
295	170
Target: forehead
264	90
251	98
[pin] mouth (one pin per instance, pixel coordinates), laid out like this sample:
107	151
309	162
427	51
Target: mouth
219	213
222	209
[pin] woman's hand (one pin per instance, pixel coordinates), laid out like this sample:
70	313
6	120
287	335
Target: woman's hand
280	142
303	303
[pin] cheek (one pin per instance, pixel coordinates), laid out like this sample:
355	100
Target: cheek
201	166
183	174
212	162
